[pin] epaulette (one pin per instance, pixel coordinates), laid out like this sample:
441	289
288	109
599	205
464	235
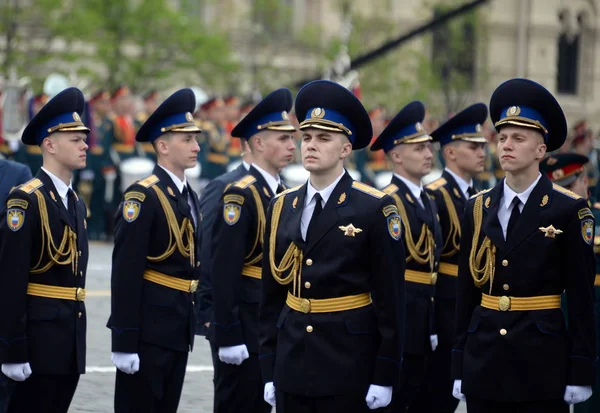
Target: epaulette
391	189
30	186
287	191
149	181
480	193
565	191
369	190
437	184
245	182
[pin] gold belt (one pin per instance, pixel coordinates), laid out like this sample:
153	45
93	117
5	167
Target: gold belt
420	277
504	303
597	282
187	286
328	305
51	291
217	158
448	269
252	271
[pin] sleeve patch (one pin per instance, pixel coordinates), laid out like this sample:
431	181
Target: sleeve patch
390	209
231	213
587	230
15	218
135	195
394	228
20	203
238	199
584	212
131	210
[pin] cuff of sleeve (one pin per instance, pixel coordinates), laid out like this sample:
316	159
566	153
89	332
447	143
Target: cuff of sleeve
387	372
227	336
457	363
16	352
581	371
125	341
267	364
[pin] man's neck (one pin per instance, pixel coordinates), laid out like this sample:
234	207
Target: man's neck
323	179
415	179
274	172
466	176
62	173
521	180
178	172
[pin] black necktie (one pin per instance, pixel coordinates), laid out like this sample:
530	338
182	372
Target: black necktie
514	217
184	201
71	202
471	191
280	188
313	220
425	200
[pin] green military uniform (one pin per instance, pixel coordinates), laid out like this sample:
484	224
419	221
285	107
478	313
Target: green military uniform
214	154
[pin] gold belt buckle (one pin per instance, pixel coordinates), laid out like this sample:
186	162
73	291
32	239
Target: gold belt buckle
504	303
193	286
434	278
80	294
305	306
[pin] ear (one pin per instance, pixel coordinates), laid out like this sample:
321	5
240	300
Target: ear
541	151
394	155
48	145
162	146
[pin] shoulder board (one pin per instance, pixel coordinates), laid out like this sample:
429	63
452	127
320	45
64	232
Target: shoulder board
391	189
29	187
369	190
481	193
149	181
245	182
437	184
565	191
287	191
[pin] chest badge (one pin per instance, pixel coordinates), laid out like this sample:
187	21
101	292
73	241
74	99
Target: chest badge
550	232
350	230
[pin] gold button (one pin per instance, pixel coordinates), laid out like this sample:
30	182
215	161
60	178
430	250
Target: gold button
506	287
504	263
309	329
79	314
198	264
309	262
503	332
307	285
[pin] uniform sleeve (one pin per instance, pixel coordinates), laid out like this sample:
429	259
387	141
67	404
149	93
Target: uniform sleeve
388	263
579	268
18	227
209	208
234	221
133	234
468	296
272	300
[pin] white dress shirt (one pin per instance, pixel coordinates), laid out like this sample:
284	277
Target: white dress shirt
505	207
310	202
414	189
180	185
271	180
61	187
462	184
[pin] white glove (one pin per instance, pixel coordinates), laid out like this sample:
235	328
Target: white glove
434	341
128	363
17	371
577	394
378	396
457	391
234	354
269	394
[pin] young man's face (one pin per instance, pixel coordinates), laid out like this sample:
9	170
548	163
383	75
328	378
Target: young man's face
323	150
181	149
416	158
469	156
277	147
519	147
69	149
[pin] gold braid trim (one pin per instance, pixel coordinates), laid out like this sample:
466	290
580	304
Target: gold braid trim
423	251
292	259
260	228
176	233
481	273
65	254
453	239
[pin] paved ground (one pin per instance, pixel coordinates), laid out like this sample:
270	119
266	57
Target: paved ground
96	388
